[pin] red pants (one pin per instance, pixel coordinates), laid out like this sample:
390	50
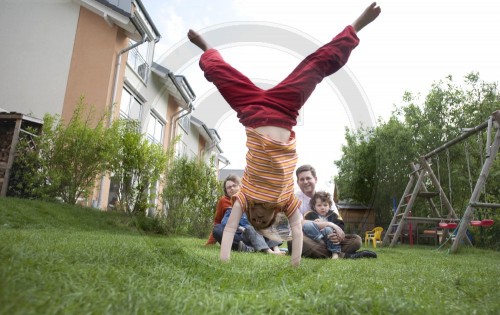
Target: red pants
280	105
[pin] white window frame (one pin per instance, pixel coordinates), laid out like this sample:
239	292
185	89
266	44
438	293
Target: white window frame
133	98
185	122
157	120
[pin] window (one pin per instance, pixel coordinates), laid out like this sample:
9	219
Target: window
185	122
155	128
130	106
182	149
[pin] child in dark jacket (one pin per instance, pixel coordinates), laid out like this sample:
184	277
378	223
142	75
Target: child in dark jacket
320	222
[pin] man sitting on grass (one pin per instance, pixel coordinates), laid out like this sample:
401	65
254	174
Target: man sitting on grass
350	243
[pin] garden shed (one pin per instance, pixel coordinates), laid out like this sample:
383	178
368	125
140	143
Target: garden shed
357	218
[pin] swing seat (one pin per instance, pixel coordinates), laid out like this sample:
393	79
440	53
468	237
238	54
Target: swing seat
487	222
452	225
445	225
476	223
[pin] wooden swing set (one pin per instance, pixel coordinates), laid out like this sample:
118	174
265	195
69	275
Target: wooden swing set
422	173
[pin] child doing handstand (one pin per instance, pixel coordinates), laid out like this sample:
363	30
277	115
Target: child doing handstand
320	222
269	116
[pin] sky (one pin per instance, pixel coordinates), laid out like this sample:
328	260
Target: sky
412	45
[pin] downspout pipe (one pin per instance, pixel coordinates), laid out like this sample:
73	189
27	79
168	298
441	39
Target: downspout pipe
113	100
174	124
214	142
226	164
186	99
117	73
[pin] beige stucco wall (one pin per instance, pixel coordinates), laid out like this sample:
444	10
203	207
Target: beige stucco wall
37	43
93	63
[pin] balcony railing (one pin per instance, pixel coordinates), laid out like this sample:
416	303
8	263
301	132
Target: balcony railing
138	63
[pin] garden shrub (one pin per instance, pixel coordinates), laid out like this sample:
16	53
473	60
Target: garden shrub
190	195
137	166
64	161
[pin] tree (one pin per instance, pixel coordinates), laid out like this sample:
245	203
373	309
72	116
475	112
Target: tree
356	177
375	162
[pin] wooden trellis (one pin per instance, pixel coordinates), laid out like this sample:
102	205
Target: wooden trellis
11	126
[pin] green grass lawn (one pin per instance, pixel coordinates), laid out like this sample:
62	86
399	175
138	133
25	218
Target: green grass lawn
59	259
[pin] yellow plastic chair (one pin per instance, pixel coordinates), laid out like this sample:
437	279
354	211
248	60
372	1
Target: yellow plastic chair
374	236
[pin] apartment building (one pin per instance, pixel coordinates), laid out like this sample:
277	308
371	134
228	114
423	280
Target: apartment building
55	51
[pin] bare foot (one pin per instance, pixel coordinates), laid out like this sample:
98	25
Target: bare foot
274	251
196	39
279	253
368	16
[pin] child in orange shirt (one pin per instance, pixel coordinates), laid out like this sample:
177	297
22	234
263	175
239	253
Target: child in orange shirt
269	116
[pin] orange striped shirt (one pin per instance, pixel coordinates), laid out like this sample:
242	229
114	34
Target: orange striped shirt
268	176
